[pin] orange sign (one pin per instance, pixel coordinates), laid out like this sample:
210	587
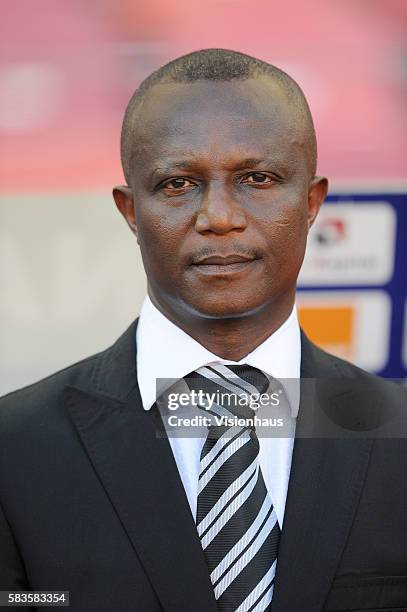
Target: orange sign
330	327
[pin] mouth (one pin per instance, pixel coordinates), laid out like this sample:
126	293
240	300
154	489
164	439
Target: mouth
219	265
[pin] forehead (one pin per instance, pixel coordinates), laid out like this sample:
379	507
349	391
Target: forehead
255	117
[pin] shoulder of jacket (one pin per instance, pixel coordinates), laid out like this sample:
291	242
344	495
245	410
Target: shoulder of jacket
45	396
336	367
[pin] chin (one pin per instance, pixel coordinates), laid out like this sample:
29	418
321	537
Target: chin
225	308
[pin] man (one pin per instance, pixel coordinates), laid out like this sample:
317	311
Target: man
219	155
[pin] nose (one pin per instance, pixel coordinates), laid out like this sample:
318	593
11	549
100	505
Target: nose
219	212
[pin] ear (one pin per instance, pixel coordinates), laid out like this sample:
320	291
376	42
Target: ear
317	192
123	197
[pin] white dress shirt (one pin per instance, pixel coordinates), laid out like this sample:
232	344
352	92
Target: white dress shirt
166	351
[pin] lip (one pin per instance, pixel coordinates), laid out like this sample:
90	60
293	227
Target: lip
223	260
218	265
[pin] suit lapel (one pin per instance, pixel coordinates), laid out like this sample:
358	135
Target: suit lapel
324	489
140	477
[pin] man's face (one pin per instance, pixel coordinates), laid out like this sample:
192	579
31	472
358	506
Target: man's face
223	196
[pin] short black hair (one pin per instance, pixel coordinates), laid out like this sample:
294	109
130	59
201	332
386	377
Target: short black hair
213	65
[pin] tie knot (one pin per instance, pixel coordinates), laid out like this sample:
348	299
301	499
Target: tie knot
228	389
252	376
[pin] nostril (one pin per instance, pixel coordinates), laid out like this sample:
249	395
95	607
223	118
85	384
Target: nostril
220	220
202	222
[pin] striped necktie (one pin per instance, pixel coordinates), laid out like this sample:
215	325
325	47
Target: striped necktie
236	521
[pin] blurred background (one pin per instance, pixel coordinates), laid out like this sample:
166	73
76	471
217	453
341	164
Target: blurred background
71	278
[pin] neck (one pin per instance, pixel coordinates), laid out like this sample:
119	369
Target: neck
232	338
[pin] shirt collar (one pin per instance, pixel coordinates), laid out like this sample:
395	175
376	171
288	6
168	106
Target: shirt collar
165	351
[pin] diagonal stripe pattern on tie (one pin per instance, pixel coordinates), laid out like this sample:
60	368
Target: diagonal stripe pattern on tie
236	521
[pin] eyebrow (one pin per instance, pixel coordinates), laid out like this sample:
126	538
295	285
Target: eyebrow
252	162
249	162
170	167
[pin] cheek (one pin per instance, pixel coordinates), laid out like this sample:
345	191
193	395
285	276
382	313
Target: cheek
287	229
159	243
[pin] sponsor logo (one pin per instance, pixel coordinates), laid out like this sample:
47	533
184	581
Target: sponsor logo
331	230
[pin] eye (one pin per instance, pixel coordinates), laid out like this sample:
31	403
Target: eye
257	178
177	184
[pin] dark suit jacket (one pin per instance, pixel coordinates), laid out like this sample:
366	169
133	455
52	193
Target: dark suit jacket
91	500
